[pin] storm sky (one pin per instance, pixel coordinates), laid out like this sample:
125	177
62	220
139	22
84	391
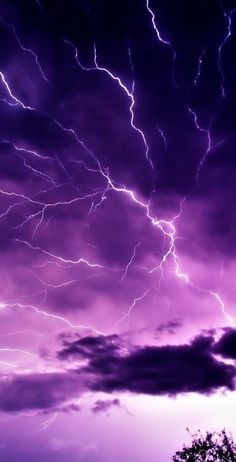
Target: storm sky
117	220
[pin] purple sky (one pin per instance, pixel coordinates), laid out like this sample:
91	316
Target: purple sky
117	217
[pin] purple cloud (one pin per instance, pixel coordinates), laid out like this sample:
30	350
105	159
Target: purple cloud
226	345
110	365
37	391
155	370
105	405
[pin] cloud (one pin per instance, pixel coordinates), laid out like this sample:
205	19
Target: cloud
226	346
89	346
111	365
155	370
105	405
37	391
169	327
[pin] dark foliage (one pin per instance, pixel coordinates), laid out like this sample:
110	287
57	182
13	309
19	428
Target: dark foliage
212	447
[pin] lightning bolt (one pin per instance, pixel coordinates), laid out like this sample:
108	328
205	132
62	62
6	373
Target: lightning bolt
43	427
126	316
58	257
153	18
128	92
25	49
17	101
199	68
50	315
228	18
161	39
162	136
131	260
209	144
18	350
222	307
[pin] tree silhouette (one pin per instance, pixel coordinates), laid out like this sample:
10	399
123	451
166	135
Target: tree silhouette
212	447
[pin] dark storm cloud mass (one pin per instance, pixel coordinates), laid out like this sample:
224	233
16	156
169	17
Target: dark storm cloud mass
88	346
155	370
115	366
226	346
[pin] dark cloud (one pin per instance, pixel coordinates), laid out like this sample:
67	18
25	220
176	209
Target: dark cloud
87	347
63	408
111	365
37	391
154	370
226	346
169	327
105	405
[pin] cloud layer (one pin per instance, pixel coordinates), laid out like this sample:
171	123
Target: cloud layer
155	370
111	365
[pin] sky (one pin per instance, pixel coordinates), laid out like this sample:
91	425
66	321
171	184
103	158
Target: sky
117	224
